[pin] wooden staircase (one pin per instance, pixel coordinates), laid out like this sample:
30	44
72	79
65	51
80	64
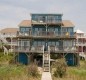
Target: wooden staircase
46	61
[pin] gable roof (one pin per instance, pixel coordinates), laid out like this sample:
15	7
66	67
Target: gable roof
9	30
67	23
25	23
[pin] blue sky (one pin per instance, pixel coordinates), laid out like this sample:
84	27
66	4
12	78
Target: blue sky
12	12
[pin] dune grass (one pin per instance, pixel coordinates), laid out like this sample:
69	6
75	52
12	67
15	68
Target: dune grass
14	72
9	71
75	73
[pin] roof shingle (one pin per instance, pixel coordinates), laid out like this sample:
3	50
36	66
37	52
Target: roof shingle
67	23
25	23
9	30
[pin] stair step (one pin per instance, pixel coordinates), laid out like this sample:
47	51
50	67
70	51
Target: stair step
46	65
46	61
46	69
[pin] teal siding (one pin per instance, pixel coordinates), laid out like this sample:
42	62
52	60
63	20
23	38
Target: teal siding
22	58
71	59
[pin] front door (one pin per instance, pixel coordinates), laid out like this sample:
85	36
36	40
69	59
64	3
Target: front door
46	46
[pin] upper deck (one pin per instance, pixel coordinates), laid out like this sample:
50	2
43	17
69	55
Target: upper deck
43	19
46	35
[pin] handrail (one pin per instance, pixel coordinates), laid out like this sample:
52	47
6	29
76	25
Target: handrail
29	49
46	33
19	33
65	48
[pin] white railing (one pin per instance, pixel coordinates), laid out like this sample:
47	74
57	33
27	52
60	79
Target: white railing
81	36
53	34
80	44
8	35
12	43
62	49
3	39
23	33
39	49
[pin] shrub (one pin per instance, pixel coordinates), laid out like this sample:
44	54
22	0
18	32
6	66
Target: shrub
33	70
9	72
5	59
60	68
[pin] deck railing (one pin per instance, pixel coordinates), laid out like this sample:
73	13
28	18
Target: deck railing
53	34
62	49
46	34
49	21
22	49
28	33
37	49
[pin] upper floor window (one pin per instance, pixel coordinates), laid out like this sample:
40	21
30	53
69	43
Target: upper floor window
42	29
70	29
49	18
42	18
24	43
64	29
24	29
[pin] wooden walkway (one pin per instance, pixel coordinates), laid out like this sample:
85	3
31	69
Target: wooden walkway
46	76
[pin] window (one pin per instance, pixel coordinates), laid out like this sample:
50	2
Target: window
70	29
19	43
43	43
24	43
68	43
27	29
57	43
51	43
42	18
51	29
64	29
50	18
39	43
42	29
56	30
35	43
22	29
35	17
36	29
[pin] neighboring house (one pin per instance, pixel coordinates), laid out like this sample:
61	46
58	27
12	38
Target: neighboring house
81	43
8	36
44	38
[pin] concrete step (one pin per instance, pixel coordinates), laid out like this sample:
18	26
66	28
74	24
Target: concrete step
46	76
46	69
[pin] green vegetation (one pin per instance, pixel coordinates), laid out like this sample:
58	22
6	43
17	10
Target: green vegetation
5	58
33	70
10	71
74	73
14	72
59	68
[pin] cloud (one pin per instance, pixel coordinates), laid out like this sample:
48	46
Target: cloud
10	15
12	12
